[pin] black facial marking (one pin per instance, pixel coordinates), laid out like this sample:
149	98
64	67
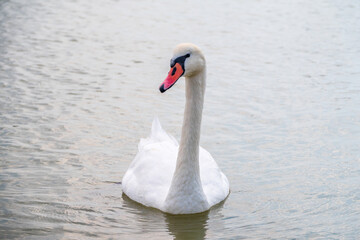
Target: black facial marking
173	71
180	60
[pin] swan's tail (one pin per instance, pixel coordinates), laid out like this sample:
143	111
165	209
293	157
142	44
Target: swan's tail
158	134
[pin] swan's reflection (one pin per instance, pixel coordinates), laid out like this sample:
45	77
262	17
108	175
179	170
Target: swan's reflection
189	226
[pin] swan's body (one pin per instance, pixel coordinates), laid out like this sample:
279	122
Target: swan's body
178	179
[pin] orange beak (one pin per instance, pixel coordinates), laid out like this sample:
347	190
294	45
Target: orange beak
174	74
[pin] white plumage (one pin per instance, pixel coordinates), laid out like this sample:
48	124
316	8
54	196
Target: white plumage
178	179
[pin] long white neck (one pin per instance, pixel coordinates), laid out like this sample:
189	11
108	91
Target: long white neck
188	156
186	193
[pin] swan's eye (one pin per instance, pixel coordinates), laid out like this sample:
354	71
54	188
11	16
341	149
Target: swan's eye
172	63
180	60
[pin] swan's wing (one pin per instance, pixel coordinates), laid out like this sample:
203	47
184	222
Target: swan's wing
214	182
149	175
158	134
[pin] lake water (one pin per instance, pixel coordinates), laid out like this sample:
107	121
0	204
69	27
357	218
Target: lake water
79	87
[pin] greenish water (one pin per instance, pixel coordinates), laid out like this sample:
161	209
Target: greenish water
79	88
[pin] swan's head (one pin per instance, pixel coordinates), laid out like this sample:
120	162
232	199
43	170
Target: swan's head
187	61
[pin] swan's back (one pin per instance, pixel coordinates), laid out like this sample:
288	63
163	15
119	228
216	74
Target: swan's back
215	184
149	176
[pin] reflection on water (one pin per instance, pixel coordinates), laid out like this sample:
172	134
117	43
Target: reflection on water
191	226
79	87
188	226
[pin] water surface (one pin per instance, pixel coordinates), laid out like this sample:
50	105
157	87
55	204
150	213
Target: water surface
79	87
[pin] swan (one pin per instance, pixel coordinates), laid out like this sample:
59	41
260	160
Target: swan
178	179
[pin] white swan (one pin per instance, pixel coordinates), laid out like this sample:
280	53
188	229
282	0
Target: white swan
177	179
